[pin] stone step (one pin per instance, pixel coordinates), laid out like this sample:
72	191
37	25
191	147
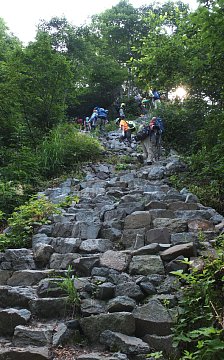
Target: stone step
35	335
10	318
28	277
24	353
18	296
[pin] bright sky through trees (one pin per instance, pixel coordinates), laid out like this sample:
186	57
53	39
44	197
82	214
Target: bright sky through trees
22	16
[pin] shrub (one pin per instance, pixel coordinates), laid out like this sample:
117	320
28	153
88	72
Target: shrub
24	220
64	148
11	195
199	331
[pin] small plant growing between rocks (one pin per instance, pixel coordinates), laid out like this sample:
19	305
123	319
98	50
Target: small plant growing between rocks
69	200
121	166
155	355
67	284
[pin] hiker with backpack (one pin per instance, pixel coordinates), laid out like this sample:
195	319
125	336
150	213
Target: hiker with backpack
121	110
102	118
125	129
149	136
156	98
93	119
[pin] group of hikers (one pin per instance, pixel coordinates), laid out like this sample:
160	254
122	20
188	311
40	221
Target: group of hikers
98	118
148	134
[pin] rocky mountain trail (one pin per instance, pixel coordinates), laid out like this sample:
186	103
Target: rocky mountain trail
119	245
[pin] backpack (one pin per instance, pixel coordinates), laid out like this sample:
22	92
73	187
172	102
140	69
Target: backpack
142	134
157	124
156	95
102	113
131	125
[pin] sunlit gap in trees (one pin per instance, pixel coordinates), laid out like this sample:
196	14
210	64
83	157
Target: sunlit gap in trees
179	93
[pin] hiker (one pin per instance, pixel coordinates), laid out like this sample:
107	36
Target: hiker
125	130
79	121
121	110
150	139
156	98
102	118
88	124
93	119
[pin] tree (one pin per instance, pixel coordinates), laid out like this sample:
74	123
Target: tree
45	79
161	55
10	118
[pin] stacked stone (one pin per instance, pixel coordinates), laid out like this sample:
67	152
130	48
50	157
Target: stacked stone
123	239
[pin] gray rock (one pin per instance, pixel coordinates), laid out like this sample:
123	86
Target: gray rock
94	325
41	238
161	343
124	343
152	318
187	250
105	291
62	261
146	265
158	235
49	307
5	275
16	296
50	287
85	230
156	205
42	254
121	303
63	245
62	335
29	353
33	335
84	265
92	307
10	318
129	236
19	259
161	213
129	288
151	249
96	245
28	277
138	219
183	238
116	260
173	225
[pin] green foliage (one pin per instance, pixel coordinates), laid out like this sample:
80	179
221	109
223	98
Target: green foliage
24	220
111	126
44	83
69	200
65	148
199	331
182	123
22	166
68	285
132	110
203	179
121	166
11	195
155	355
